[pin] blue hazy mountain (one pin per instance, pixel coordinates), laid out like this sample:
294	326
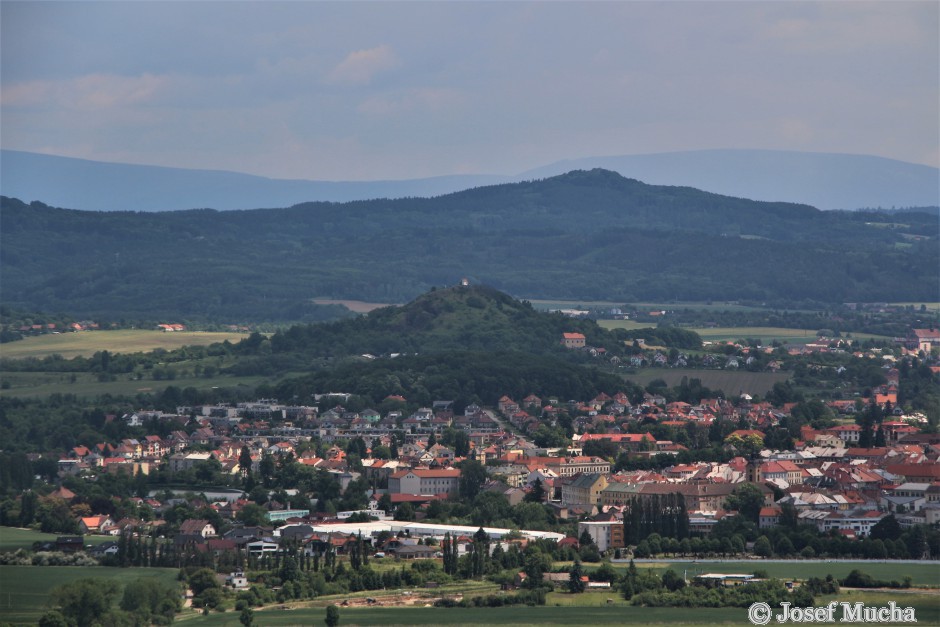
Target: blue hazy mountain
823	180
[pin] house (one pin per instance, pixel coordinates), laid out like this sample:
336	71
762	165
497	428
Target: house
573	340
769	517
583	490
200	527
416	551
923	339
443	481
94	524
69	544
606	534
237	580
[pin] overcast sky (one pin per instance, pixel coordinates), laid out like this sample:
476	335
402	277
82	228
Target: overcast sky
392	90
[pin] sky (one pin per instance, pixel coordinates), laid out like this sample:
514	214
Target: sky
399	90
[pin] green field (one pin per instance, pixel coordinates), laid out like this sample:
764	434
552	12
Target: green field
768	334
925	574
561	609
24	590
87	343
12	539
629	325
516	615
645	306
730	381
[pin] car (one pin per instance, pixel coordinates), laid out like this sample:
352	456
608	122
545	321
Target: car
379	555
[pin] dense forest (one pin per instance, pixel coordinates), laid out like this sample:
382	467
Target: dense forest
583	235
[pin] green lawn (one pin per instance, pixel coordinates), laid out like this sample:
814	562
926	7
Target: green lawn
24	590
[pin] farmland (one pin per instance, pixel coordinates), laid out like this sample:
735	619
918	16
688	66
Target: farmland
922	573
561	609
86	343
724	334
518	615
730	381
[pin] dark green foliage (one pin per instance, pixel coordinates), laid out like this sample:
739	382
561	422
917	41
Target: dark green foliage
332	616
630	241
575	583
85	601
151	601
860	579
658	515
771	591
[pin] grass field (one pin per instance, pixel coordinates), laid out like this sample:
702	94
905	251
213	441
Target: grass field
922	574
561	609
703	306
629	325
730	381
24	590
356	306
768	334
722	334
517	615
86	343
12	539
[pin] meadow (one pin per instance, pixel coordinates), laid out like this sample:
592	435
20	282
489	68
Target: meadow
87	343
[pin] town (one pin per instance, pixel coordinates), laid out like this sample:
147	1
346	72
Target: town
531	494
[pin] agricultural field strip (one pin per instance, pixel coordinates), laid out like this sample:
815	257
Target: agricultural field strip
87	343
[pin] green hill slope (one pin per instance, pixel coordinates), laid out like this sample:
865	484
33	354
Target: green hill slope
583	235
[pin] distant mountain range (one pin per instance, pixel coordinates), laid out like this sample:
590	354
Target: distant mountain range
584	235
822	180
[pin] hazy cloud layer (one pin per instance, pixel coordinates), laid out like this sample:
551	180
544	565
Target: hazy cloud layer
349	91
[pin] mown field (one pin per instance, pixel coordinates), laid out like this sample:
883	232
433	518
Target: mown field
24	590
86	343
730	381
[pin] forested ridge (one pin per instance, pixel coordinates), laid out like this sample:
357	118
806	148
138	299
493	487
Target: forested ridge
582	235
